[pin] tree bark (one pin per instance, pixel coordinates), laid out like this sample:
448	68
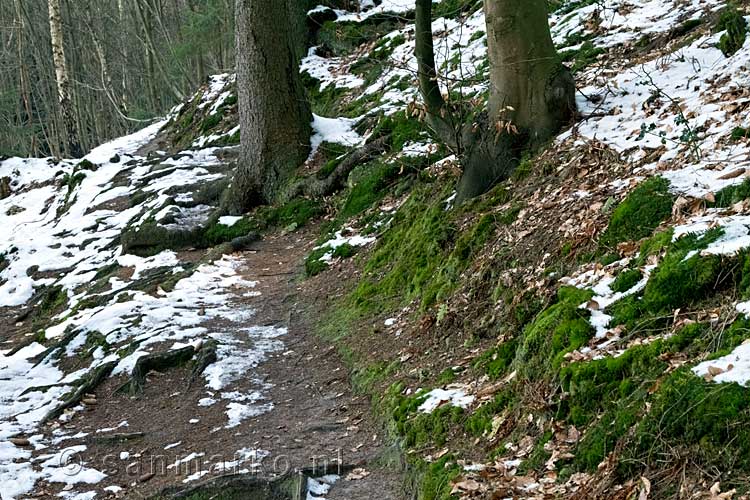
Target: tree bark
529	85
439	118
64	94
274	114
532	95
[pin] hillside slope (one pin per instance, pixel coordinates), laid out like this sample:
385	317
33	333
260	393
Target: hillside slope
579	331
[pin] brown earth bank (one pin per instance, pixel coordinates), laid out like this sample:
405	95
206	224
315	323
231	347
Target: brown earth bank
316	418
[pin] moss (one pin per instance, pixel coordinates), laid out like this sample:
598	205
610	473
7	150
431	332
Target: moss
538	455
560	328
709	422
324	101
686	27
371	66
496	362
682	278
523	170
732	194
640	213
53	299
733	22
210	122
453	9
370	189
401	128
654	246
739	133
510	215
446	377
626	280
678	282
344	251
480	421
437	479
298	211
217	233
419	428
313	264
583	57
421	255
364	380
332	155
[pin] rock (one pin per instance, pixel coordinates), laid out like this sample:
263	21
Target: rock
243	243
146	477
115	159
20	441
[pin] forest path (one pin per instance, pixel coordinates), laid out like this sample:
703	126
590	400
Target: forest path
277	399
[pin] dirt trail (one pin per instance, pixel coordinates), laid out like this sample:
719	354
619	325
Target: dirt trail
308	415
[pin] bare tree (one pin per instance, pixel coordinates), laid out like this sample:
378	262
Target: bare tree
62	75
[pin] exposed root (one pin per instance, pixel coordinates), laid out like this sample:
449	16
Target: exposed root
318	188
118	437
93	379
206	356
155	362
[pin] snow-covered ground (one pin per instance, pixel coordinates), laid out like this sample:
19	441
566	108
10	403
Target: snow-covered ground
58	236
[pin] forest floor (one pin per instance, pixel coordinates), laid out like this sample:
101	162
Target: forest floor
315	419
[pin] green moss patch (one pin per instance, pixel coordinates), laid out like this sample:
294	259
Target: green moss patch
638	215
559	329
733	22
626	280
422	254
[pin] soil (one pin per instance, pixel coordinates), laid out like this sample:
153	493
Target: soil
316	418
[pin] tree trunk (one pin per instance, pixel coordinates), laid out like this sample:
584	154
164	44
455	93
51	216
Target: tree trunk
274	114
62	76
529	85
438	117
532	95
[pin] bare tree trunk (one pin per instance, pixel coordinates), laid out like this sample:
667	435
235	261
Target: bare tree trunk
439	117
153	55
529	85
532	94
72	143
274	114
23	74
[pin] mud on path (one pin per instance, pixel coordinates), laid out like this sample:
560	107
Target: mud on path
277	399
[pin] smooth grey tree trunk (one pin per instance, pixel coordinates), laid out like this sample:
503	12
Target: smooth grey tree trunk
274	114
525	71
532	95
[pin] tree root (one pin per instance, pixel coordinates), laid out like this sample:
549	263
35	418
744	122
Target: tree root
56	349
155	362
119	437
317	188
290	486
93	379
206	356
